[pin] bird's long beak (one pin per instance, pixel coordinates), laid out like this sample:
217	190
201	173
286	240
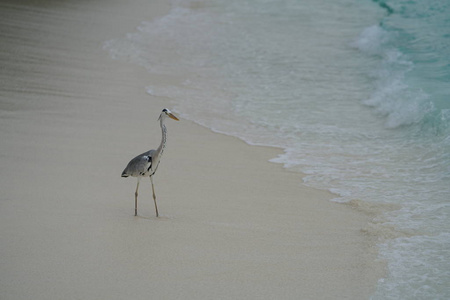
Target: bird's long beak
172	116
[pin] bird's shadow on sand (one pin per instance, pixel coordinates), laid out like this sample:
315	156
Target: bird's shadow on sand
154	218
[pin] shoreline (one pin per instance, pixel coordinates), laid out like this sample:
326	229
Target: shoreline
232	223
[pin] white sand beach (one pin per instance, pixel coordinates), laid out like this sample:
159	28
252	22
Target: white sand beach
232	225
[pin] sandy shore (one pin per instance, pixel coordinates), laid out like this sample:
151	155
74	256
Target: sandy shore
232	225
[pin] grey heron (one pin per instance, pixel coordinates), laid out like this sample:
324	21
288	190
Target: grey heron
145	164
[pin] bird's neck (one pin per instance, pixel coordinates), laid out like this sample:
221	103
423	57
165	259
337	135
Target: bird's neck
163	138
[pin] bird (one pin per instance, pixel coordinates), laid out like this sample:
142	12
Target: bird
146	164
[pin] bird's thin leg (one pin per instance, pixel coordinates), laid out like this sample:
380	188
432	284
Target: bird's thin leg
154	196
136	196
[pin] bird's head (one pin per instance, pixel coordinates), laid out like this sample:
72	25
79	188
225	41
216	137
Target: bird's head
167	113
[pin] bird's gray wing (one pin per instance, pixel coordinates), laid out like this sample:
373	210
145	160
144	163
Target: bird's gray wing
140	165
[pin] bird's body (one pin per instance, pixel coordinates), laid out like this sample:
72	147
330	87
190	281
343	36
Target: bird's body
146	164
140	166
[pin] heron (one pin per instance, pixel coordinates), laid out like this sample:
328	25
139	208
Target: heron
146	164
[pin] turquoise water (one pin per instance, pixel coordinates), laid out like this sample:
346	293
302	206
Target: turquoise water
355	92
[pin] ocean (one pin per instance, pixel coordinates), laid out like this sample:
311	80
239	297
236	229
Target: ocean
356	92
